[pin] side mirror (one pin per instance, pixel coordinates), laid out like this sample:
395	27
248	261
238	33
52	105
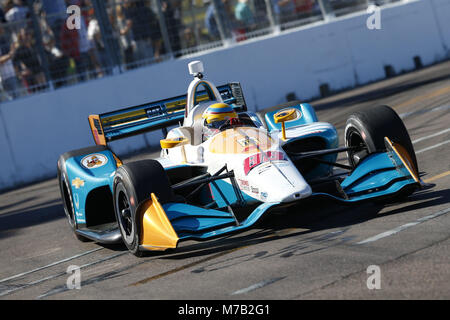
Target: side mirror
172	143
175	142
283	116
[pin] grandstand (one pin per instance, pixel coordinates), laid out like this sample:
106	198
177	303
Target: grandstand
49	44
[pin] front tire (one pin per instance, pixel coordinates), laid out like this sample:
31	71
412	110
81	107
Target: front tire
367	128
133	184
67	199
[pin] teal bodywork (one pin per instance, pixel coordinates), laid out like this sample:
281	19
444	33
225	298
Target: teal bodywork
308	116
379	175
92	178
195	223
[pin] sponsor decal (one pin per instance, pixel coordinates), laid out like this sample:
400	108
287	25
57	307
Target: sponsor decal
245	142
249	143
76	200
263	168
77	183
243	182
244	185
94	161
258	159
255	190
283	164
263	195
314	132
80	217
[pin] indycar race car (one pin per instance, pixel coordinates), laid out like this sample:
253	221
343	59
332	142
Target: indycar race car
223	167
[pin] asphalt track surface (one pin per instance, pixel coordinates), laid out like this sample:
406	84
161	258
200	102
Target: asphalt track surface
319	250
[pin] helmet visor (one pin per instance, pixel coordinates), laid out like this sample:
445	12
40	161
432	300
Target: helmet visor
216	124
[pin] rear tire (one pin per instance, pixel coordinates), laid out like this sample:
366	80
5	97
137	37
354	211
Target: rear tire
134	183
369	127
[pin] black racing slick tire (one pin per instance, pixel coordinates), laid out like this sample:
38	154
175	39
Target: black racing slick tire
134	183
367	128
67	198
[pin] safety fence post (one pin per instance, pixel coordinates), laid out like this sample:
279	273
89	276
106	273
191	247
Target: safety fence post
219	20
164	31
326	10
271	16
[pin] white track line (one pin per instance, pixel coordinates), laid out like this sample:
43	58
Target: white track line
257	286
24	286
419	112
431	136
433	146
50	265
403	227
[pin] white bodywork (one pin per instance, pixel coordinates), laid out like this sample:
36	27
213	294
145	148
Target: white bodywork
274	179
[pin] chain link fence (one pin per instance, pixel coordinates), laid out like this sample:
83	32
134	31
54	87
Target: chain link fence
49	44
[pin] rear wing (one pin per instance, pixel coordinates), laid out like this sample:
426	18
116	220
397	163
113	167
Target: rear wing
152	116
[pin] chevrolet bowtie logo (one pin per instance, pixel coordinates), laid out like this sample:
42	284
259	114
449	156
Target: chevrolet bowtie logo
78	183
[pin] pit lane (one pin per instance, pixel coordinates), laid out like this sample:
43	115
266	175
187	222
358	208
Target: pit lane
316	251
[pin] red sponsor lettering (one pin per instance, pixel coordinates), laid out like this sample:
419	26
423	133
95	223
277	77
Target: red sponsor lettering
260	158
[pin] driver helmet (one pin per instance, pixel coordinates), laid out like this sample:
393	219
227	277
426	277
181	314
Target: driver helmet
218	114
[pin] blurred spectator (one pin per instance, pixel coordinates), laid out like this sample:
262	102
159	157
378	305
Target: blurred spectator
95	37
75	44
27	62
261	17
55	13
244	15
226	16
15	10
188	38
210	21
126	36
8	78
58	62
143	23
70	46
87	10
87	50
16	13
46	30
284	10
2	15
304	6
171	10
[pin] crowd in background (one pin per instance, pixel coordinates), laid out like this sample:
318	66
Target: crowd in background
39	50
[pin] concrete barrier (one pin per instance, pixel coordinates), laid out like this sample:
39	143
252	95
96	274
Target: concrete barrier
342	53
441	11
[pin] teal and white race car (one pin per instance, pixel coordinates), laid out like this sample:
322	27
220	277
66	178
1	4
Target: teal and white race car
224	167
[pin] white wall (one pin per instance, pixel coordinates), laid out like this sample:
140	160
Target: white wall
342	53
